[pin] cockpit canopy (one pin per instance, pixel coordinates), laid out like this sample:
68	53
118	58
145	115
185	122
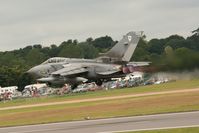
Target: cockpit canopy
55	60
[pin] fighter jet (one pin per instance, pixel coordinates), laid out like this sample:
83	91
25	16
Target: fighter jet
113	64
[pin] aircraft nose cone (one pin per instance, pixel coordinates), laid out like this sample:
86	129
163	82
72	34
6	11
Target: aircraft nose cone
33	72
30	71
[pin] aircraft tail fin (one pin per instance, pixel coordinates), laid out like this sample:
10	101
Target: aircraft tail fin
124	49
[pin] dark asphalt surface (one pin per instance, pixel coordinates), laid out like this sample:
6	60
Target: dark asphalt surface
137	123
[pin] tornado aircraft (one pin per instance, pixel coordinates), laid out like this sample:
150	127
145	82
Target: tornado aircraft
113	64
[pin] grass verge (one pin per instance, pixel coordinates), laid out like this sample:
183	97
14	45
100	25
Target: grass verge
176	102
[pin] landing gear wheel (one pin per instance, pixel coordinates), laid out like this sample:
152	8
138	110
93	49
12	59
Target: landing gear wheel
74	86
49	84
98	82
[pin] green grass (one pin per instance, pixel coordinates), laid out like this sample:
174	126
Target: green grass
103	109
183	84
179	130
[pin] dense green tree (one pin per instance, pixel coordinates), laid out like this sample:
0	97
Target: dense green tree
89	51
38	46
71	51
89	40
54	51
141	52
103	42
75	42
35	57
156	46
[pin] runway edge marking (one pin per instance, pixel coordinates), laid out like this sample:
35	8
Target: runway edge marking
150	129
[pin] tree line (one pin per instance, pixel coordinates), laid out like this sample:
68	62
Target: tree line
172	53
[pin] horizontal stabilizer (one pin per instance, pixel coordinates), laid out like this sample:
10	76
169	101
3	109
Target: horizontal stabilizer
138	63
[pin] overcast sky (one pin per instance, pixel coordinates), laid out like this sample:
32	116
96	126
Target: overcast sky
46	22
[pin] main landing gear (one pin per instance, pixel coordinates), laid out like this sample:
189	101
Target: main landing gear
98	82
73	86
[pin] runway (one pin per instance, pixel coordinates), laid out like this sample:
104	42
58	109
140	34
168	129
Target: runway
136	123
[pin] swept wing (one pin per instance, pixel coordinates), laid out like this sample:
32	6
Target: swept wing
69	70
